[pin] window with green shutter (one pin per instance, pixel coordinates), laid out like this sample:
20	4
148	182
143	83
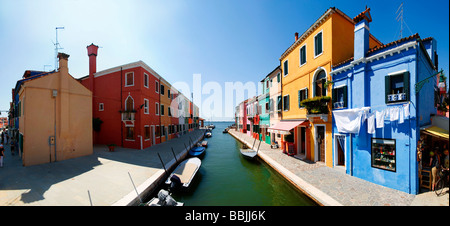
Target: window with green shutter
339	97
318	44
397	87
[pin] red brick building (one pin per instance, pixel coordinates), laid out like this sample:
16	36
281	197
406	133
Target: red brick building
127	100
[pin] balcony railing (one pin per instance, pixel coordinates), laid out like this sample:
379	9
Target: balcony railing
316	105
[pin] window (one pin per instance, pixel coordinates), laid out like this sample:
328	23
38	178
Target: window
397	87
163	130
169	111
303	55
168	93
286	103
129	104
129	133
129	79
146	132
279	103
101	107
339	96
318	44
145	106
302	95
162	109
162	89
383	154
145	80
158	131
279	77
157	86
157	108
286	67
319	84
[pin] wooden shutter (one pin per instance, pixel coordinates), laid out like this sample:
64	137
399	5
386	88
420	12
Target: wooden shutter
387	87
406	84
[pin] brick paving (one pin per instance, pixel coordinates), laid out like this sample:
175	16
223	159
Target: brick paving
343	188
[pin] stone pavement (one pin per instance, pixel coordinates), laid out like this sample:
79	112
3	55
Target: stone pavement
104	174
330	186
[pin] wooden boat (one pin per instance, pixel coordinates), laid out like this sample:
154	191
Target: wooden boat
204	143
225	130
208	134
163	199
183	175
197	151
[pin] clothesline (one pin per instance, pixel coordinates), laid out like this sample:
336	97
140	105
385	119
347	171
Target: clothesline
350	120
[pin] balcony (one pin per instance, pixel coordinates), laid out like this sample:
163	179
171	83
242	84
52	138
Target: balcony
396	97
317	107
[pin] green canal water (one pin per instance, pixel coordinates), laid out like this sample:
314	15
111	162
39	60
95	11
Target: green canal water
227	179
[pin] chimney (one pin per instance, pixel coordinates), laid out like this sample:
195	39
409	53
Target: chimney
92	53
63	66
362	31
296	36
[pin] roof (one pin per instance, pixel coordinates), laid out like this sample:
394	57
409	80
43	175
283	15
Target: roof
30	75
363	15
322	19
277	68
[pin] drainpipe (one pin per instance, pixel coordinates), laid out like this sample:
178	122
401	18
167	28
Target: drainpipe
121	126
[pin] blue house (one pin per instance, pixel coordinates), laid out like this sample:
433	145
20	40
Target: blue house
377	110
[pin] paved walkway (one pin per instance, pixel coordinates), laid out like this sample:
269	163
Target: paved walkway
333	187
104	174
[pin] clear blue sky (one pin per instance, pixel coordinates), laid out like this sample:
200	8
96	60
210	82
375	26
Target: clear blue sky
223	40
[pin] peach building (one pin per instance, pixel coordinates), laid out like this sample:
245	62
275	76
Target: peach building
54	115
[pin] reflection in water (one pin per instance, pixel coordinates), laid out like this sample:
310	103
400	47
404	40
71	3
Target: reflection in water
228	179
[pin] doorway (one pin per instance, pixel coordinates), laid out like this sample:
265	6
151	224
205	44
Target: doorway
153	134
320	143
339	147
301	142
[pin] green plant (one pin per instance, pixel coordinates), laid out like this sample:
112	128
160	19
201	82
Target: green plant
316	105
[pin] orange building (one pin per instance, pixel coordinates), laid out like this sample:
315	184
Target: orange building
55	116
305	66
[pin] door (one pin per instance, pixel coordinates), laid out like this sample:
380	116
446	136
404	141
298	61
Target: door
153	135
339	148
320	143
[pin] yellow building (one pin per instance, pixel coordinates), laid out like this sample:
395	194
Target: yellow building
306	65
55	113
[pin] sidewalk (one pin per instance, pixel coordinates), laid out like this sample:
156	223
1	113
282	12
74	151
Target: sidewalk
332	187
104	174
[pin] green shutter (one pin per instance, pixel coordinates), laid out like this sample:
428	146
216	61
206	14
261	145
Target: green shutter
299	99
406	84
345	96
387	88
333	97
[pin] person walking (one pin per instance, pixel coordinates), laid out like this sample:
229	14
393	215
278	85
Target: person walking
434	163
2	150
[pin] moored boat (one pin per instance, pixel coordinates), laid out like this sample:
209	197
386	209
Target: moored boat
204	143
183	175
197	151
163	199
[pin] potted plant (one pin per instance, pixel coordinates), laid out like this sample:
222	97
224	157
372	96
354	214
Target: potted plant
111	146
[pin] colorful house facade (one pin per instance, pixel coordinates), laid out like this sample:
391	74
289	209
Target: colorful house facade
275	102
377	109
305	66
133	104
53	116
264	110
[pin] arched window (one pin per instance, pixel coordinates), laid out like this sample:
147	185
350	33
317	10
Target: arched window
129	104
319	84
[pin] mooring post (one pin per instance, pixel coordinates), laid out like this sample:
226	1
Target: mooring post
162	163
176	160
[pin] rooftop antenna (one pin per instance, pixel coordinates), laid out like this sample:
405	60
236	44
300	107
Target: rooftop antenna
400	18
57	47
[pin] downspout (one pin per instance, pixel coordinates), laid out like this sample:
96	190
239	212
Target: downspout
121	126
159	110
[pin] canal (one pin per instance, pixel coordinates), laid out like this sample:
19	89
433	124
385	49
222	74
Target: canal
227	179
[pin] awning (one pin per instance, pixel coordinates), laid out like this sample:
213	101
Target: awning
436	131
283	127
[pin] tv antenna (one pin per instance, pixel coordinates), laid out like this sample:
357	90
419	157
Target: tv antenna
400	18
57	47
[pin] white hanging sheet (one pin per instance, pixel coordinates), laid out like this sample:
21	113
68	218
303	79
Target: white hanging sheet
349	121
371	123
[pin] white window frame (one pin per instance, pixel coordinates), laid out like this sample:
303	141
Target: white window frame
306	88
161	112
126	79
157	86
101	106
157	108
146	75
150	132
300	55
315	56
289	106
146	105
